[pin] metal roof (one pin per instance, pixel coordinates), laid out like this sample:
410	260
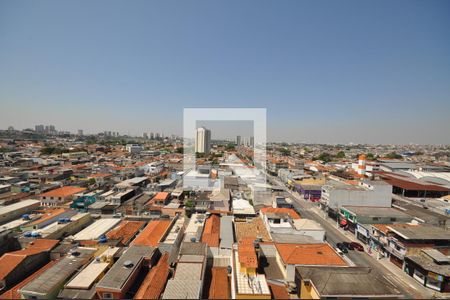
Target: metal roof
226	232
54	277
118	275
182	289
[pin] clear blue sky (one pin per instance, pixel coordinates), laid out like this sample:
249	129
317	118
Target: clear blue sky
327	71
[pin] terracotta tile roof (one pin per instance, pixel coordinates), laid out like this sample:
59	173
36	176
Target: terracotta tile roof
289	211
63	192
247	253
220	287
211	232
155	281
38	245
309	254
10	261
13	292
161	196
47	215
152	233
278	291
99	175
126	231
254	229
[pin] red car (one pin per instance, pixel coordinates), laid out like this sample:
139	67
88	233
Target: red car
357	246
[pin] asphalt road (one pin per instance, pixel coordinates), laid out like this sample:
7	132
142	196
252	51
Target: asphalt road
333	236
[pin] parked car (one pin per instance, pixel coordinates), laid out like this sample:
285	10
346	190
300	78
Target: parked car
342	247
348	245
357	246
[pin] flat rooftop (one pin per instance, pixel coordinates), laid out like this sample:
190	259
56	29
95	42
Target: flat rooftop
420	232
95	230
365	211
348	282
87	276
21	204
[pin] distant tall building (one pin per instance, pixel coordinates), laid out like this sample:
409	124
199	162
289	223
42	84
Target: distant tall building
252	141
39	128
80	132
238	140
203	140
152	136
157	137
145	135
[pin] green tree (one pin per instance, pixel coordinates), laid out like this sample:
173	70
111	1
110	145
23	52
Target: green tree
394	155
325	157
284	151
370	156
179	150
230	147
340	154
189	204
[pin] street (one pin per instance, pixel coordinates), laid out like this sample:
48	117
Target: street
407	287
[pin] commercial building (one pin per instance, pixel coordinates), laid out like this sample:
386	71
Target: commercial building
96	229
65	226
48	216
431	268
203	140
356	219
16	210
408	186
407	240
324	282
336	194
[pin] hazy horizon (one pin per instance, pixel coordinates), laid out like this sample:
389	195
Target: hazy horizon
327	72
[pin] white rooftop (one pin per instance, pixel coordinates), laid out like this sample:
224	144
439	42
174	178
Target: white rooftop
98	228
93	271
12	207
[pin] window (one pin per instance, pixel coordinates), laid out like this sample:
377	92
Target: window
393	219
107	296
433	283
375	218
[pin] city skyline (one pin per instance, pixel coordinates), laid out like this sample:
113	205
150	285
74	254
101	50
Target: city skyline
333	75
